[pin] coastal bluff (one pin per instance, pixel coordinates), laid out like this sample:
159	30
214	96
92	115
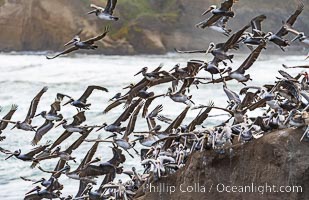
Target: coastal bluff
277	159
145	26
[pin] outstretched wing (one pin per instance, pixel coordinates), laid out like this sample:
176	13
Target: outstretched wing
97	38
34	105
69	50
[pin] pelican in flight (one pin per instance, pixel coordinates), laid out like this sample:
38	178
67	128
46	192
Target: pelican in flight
78	44
81	103
224	10
26	124
105	13
278	37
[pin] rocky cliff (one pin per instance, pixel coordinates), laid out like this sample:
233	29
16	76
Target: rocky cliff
145	26
277	159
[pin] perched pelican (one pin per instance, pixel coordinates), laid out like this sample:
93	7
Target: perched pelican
105	13
78	44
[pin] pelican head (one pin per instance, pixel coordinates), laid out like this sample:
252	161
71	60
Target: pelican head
212	7
268	35
210	48
43	113
143	70
73	41
64	121
299	36
39	181
305	74
15	153
176	67
56	150
169	91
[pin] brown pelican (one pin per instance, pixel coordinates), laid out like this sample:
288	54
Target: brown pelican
105	13
46	182
116	126
26	124
48	124
8	116
78	44
42	194
25	157
300	36
239	73
200	118
124	141
151	76
81	103
278	37
179	97
219	26
224	10
52	114
257	35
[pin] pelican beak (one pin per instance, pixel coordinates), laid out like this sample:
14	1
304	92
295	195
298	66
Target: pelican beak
13	127
70	42
138	73
37	115
37	182
297	37
62	122
209	48
90	12
207	11
70	101
34	189
9	156
172	69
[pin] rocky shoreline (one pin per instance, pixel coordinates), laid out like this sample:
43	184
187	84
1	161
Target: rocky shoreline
263	165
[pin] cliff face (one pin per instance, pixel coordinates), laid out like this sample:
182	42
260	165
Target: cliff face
145	26
276	159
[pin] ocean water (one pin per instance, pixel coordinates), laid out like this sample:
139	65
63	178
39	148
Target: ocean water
23	76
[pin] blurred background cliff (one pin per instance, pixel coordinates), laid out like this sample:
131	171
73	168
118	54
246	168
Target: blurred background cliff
145	26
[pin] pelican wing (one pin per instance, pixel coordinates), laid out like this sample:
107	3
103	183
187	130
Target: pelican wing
97	7
41	131
201	117
251	59
79	118
89	90
34	105
227	5
37	150
8	116
256	24
110	6
232	41
292	19
112	105
97	38
231	95
132	121
147	104
55	107
191	51
300	66
176	123
66	51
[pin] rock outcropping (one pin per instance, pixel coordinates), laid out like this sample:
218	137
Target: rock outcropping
145	26
277	159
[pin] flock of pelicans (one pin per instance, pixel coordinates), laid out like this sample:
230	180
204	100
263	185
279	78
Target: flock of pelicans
284	104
